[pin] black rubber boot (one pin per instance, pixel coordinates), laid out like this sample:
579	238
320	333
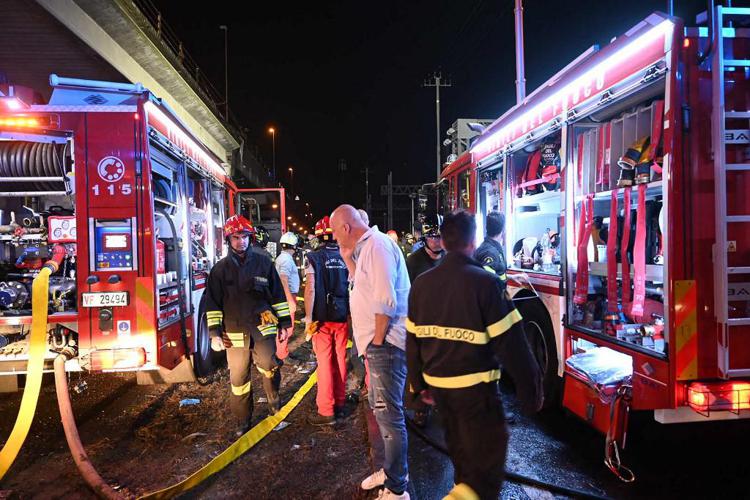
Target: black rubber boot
271	387
318	419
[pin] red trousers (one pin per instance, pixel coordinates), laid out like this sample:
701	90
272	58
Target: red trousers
329	345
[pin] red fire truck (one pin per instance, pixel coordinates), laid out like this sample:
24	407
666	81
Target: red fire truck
623	181
107	180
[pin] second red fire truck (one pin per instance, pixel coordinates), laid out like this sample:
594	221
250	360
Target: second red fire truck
624	181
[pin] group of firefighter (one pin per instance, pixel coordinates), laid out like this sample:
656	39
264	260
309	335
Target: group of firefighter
433	327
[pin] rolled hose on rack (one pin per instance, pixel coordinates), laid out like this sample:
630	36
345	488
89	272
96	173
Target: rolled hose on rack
513	476
35	366
32	159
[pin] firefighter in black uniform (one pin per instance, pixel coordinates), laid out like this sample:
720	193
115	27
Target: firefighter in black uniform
461	324
245	308
490	253
428	255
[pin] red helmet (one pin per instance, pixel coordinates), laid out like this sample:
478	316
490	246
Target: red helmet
323	227
392	235
238	224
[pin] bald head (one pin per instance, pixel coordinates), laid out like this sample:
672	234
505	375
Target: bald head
347	225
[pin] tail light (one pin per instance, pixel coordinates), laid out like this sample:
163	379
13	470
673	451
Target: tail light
118	359
705	397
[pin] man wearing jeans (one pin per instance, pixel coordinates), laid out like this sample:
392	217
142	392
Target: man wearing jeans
378	300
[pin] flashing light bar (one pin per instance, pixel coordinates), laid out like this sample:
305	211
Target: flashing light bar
20	122
174	133
602	76
720	396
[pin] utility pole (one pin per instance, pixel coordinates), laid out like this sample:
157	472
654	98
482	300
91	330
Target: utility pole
390	200
225	29
436	80
520	72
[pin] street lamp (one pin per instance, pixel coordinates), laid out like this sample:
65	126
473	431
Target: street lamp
272	131
291	176
225	29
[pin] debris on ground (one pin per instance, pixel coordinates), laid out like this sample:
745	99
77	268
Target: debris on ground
130	431
282	425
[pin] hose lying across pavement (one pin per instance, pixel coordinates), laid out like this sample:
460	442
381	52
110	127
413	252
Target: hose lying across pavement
515	477
89	474
244	443
235	450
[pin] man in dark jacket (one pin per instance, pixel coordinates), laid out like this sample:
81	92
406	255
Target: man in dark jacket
326	315
490	253
245	308
430	254
461	324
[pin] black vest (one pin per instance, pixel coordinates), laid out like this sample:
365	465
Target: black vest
331	284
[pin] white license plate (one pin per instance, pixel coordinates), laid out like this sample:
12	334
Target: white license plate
104	299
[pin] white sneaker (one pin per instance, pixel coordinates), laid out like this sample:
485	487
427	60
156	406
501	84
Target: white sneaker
374	480
387	494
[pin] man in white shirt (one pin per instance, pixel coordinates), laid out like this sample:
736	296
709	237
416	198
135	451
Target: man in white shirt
287	269
378	302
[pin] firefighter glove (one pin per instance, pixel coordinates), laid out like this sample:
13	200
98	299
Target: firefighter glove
311	328
268	318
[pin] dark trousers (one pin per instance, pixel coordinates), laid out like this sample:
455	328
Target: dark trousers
262	351
476	434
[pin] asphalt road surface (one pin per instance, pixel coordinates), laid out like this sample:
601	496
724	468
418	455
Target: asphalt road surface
702	460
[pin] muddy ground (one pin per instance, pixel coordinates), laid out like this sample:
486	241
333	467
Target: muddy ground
141	440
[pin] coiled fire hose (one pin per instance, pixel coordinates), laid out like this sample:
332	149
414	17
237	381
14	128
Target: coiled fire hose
35	366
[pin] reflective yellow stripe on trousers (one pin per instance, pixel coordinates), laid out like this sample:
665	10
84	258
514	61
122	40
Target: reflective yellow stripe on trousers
242	389
461	381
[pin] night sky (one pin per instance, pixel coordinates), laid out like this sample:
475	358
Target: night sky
343	79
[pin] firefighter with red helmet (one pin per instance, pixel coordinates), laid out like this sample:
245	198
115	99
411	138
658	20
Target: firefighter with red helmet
327	312
246	309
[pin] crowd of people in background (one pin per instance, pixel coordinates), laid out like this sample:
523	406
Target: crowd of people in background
428	308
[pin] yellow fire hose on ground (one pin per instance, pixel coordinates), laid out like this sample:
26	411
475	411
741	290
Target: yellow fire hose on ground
237	449
34	369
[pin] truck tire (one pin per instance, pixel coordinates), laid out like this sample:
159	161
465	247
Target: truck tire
205	360
541	336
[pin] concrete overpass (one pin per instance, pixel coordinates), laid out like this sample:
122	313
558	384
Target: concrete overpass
123	40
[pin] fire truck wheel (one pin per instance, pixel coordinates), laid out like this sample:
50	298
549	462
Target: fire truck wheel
205	363
541	337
